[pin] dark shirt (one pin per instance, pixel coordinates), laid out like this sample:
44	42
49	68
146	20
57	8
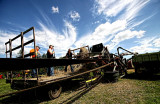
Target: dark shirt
69	55
49	55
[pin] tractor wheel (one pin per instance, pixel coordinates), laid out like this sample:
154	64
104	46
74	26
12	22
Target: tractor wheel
54	91
111	76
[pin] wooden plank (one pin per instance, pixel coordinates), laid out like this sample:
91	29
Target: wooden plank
30	41
20	35
8	64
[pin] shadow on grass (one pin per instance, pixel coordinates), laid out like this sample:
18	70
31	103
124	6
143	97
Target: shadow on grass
79	94
21	98
150	77
38	95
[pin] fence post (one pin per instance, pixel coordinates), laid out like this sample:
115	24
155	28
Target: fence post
22	53
6	57
35	50
10	48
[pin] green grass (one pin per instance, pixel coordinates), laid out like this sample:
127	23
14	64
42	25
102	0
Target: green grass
125	91
151	93
5	87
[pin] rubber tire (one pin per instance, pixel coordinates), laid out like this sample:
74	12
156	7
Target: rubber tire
111	76
55	91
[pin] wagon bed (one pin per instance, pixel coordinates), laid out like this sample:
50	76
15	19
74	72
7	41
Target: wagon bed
31	82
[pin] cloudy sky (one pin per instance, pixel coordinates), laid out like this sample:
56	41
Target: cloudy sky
132	24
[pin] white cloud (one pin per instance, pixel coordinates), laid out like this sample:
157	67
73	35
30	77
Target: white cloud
44	38
134	24
74	15
127	34
96	22
124	35
55	9
147	45
125	10
133	9
61	42
143	49
156	42
103	33
112	33
111	8
5	36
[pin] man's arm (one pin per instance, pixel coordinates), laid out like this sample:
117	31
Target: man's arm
31	55
66	56
38	52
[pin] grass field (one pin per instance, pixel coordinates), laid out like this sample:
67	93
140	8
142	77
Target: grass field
125	91
128	90
5	88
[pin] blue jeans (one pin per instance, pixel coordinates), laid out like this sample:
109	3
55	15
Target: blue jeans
50	71
34	73
71	68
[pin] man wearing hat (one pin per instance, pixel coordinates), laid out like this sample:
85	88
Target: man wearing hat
50	52
37	54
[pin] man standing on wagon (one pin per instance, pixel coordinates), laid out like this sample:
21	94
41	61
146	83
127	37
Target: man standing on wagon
37	54
50	52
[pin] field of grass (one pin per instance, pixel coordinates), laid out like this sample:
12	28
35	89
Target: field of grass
128	90
125	91
5	88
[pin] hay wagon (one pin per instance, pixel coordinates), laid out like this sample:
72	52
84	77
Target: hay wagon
96	63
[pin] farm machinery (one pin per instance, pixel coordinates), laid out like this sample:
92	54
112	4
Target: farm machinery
148	63
100	53
92	65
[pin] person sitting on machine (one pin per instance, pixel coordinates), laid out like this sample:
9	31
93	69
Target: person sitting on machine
69	56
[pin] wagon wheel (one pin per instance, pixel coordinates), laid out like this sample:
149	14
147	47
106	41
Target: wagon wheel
55	91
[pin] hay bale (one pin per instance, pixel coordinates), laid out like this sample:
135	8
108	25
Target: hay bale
83	53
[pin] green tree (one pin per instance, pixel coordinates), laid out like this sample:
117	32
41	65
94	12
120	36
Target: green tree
19	54
44	55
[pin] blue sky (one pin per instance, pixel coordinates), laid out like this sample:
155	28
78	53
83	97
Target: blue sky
132	24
